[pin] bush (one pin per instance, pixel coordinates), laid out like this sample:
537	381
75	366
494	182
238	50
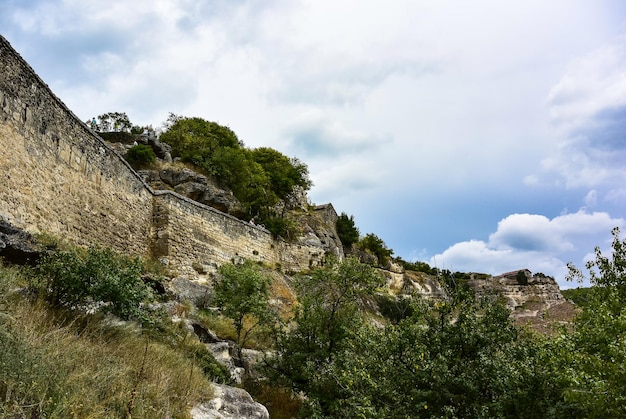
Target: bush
283	227
74	279
347	230
374	244
140	155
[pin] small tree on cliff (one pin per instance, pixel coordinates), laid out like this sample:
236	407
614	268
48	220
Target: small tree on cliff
347	230
374	244
242	293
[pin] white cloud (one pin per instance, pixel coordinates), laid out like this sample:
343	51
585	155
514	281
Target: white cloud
587	107
389	104
590	85
532	241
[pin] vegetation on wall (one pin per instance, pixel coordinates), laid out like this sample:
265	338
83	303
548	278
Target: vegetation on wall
376	246
347	230
260	178
140	156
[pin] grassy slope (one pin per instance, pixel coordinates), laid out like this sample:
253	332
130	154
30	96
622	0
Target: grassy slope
59	365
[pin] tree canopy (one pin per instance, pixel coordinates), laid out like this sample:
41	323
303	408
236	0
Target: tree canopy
260	178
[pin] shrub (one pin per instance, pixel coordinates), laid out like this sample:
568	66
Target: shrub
374	244
283	227
347	230
140	155
73	279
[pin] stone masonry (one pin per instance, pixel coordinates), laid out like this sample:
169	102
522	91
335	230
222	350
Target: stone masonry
59	177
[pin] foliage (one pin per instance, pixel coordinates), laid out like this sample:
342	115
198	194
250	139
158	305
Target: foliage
460	357
98	276
59	364
324	322
460	360
285	174
596	350
112	121
417	266
283	227
579	296
140	156
242	293
195	139
259	178
347	230
374	244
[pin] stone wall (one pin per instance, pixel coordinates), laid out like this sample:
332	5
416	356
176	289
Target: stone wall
58	176
193	238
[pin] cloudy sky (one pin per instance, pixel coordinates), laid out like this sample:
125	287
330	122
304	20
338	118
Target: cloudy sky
481	136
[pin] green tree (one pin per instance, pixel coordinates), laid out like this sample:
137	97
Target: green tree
374	244
196	140
593	354
325	321
140	156
75	278
113	121
242	293
285	174
347	230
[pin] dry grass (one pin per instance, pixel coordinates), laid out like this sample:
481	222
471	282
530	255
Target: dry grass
56	366
224	328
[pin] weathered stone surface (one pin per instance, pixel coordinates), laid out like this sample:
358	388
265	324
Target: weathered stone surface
194	186
17	246
230	403
540	291
174	177
162	150
210	195
184	289
411	282
61	178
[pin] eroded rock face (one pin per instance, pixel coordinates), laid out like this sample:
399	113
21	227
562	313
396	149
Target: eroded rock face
319	231
411	282
521	291
194	186
230	403
17	246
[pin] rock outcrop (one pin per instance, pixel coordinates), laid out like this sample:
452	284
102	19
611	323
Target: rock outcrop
17	246
194	186
230	403
520	288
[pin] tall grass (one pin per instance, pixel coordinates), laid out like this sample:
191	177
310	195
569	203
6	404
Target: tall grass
57	365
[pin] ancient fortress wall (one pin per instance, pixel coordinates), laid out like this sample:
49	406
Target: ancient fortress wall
192	236
58	176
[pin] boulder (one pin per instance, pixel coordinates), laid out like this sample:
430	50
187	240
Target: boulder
184	289
230	403
18	246
173	176
210	195
200	188
161	150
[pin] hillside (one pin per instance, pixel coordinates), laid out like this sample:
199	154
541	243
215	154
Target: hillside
172	291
